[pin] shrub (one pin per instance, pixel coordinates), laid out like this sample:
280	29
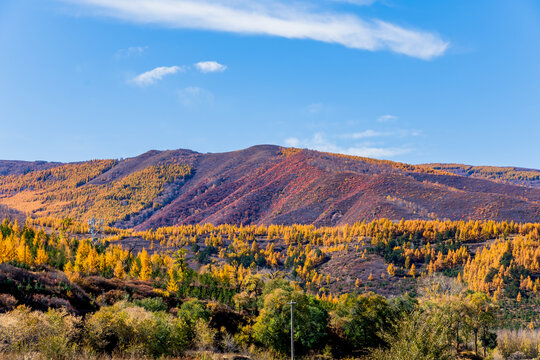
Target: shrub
7	301
151	304
205	336
228	342
130	329
53	333
423	335
271	328
193	310
361	320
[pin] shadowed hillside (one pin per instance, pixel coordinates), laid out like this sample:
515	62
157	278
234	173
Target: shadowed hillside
263	185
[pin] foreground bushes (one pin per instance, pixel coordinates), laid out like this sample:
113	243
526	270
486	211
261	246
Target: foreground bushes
367	326
53	334
422	335
399	329
130	329
122	329
143	329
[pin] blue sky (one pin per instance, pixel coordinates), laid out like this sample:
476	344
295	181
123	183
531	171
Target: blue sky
413	81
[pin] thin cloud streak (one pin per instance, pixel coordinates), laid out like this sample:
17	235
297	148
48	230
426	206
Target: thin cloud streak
154	75
320	143
275	19
130	51
366	134
386	118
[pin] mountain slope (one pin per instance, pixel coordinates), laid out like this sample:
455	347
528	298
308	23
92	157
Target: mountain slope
263	184
507	174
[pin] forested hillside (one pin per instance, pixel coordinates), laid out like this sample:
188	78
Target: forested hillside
513	175
264	185
68	190
371	290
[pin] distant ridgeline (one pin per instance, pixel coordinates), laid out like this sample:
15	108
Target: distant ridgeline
503	174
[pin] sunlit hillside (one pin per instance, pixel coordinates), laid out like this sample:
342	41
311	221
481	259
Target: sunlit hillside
261	185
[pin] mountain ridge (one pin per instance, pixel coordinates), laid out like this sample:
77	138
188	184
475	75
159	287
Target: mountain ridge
266	184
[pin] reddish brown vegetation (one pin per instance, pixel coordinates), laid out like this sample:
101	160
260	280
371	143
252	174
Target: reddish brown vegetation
269	184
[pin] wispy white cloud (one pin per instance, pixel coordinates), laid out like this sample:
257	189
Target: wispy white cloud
386	118
376	152
210	66
292	142
276	19
130	51
320	142
193	96
154	75
365	134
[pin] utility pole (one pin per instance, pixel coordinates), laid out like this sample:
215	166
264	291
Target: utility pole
292	329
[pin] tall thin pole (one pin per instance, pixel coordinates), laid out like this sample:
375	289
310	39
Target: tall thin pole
292	329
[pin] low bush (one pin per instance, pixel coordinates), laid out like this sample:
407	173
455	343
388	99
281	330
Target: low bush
129	329
151	304
54	333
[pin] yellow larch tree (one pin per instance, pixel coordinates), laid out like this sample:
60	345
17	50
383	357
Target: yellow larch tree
146	266
41	257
